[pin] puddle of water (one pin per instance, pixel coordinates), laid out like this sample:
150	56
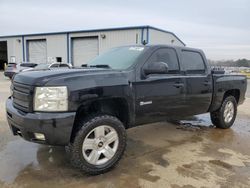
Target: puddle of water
15	157
198	120
25	163
33	165
194	123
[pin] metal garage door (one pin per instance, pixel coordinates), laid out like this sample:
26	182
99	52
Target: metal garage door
37	51
84	49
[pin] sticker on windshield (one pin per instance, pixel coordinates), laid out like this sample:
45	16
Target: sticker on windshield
136	48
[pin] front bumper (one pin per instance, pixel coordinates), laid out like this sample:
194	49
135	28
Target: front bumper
56	127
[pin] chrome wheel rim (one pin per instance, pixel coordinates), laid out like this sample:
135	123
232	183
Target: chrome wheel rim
100	145
228	112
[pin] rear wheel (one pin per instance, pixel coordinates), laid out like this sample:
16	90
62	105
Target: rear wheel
225	116
99	144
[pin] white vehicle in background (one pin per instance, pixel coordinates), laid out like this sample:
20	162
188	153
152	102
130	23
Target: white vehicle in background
48	66
14	68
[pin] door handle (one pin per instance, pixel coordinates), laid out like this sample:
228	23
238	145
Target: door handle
178	85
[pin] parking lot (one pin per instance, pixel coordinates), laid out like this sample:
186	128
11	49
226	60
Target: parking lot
189	153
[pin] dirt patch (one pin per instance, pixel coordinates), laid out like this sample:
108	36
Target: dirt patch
221	164
194	170
184	186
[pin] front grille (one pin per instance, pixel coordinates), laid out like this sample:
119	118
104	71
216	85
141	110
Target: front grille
22	96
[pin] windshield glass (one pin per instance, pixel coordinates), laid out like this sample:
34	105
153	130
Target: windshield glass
118	58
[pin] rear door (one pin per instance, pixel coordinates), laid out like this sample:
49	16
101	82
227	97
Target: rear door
198	82
159	96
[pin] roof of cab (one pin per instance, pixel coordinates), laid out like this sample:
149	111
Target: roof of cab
172	46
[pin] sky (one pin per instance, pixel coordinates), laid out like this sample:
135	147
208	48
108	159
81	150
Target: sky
219	27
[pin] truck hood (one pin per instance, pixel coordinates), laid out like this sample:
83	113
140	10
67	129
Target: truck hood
88	77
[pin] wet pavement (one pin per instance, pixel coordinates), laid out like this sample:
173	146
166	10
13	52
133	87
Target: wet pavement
189	153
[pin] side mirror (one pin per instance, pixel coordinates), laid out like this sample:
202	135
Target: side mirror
156	68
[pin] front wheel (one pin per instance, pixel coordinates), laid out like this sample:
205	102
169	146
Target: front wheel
225	116
99	144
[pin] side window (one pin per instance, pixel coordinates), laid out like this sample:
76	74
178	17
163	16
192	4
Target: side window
193	62
166	55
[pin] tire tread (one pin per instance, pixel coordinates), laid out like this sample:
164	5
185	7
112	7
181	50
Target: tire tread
84	124
217	116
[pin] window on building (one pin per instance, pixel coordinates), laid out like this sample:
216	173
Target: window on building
59	59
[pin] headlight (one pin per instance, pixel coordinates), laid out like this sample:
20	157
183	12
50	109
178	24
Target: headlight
51	99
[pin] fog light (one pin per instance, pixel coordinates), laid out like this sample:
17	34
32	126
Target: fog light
39	136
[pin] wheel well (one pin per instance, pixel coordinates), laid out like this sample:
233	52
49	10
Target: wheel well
233	92
117	107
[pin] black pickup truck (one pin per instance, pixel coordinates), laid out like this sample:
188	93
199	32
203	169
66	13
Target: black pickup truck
88	109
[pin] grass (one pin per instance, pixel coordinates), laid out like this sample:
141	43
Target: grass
246	73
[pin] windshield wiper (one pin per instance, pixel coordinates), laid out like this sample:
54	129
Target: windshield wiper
101	66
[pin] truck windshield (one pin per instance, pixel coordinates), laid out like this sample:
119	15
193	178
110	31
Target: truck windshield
117	58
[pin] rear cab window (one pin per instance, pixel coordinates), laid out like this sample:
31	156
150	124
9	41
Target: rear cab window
193	62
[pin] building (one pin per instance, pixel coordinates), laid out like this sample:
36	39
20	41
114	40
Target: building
77	47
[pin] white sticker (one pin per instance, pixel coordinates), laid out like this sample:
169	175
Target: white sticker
136	48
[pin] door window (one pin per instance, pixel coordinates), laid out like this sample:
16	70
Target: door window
193	62
165	55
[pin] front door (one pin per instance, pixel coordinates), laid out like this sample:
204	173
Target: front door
159	96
